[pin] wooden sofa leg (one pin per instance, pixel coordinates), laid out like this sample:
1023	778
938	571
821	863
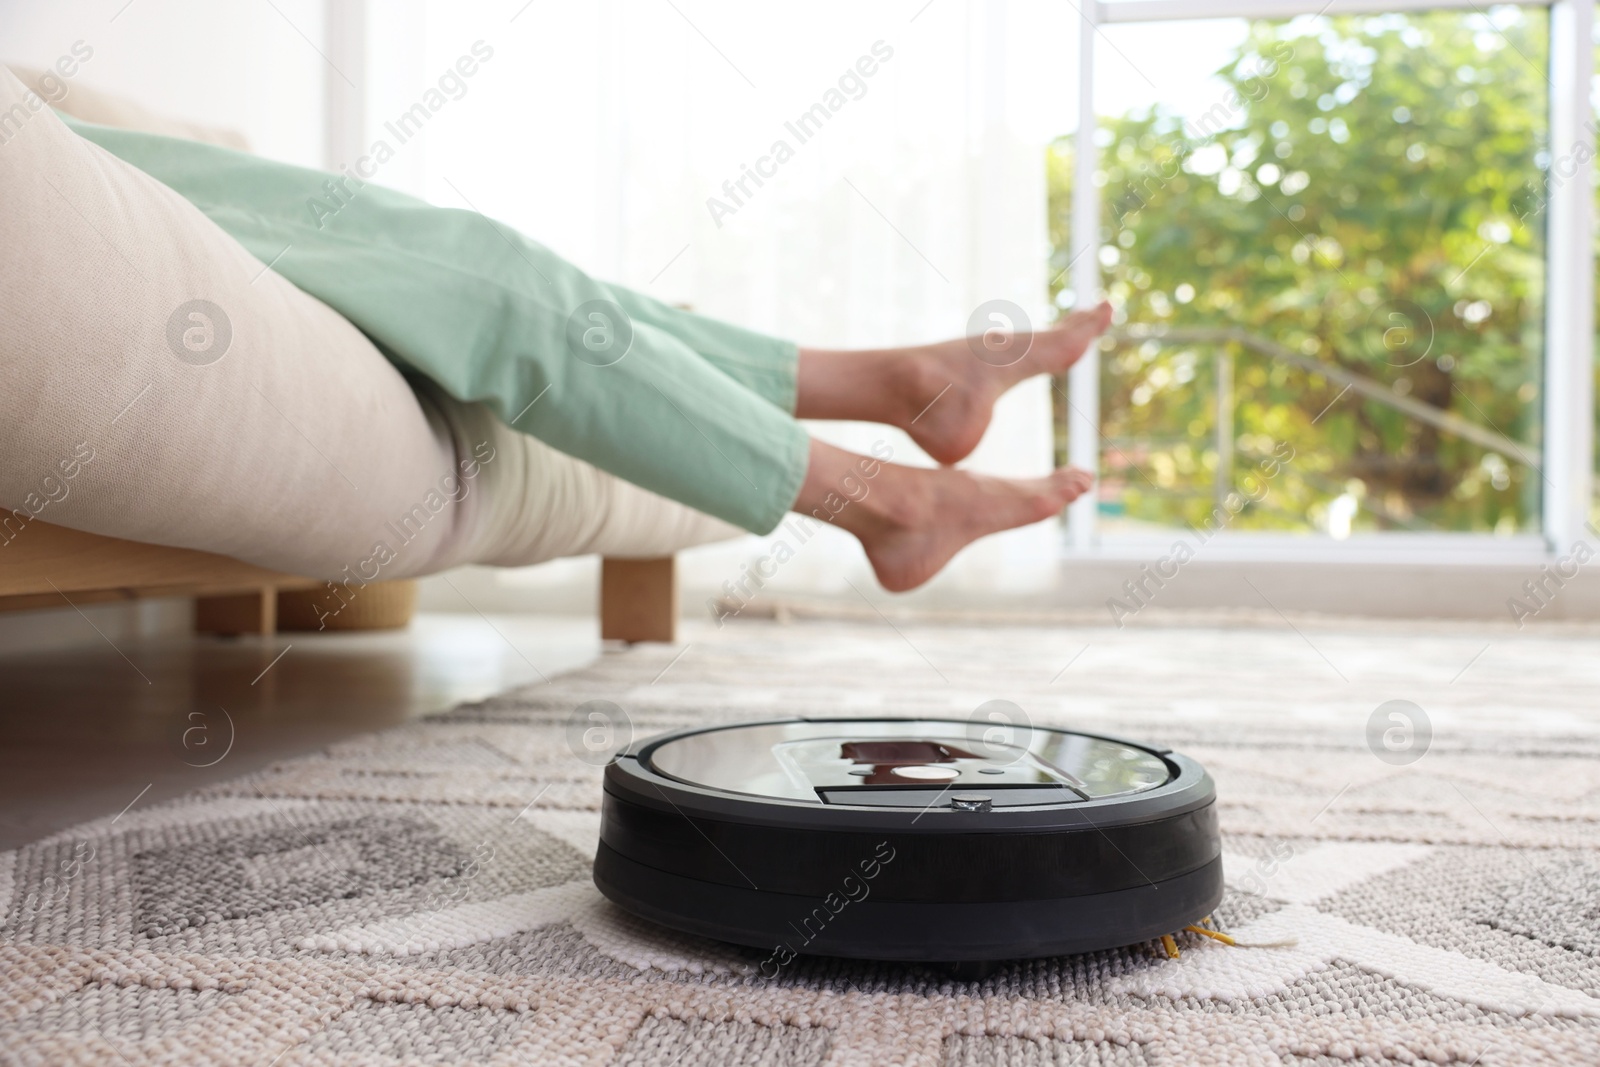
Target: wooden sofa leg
639	599
240	613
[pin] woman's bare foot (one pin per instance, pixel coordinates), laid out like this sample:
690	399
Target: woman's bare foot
911	520
944	394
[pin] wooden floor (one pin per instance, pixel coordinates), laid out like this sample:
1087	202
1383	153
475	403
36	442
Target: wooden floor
91	730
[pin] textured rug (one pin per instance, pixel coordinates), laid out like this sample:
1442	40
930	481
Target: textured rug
422	896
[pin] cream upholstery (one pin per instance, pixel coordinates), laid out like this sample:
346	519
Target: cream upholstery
109	109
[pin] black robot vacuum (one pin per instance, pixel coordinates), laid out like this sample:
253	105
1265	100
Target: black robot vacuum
909	839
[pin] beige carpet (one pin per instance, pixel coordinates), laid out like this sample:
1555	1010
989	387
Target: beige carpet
421	896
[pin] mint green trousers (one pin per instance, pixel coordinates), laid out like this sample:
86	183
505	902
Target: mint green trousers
693	409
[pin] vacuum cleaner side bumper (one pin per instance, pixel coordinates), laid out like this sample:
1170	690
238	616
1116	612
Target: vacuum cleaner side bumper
924	931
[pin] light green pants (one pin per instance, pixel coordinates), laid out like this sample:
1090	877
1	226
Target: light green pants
685	406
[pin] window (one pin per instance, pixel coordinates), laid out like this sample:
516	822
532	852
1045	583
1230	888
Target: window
1327	234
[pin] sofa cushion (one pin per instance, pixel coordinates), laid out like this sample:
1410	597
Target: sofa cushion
162	385
109	109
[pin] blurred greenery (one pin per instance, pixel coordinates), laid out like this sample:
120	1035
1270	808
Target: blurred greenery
1368	195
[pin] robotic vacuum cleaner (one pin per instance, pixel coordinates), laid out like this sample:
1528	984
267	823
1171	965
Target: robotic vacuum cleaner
909	839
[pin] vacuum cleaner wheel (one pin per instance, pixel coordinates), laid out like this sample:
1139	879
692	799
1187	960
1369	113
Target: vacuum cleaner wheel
909	839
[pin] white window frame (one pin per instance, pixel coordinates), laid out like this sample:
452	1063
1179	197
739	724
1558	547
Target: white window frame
1565	465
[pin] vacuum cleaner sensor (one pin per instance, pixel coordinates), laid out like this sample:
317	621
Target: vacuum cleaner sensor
909	839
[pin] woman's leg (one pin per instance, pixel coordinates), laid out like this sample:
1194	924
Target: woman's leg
941	394
491	316
912	520
763	364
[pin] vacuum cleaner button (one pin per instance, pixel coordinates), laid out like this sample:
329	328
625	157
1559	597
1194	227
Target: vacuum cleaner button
971	802
925	773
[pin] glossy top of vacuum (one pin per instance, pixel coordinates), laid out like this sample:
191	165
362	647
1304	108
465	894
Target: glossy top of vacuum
863	772
866	762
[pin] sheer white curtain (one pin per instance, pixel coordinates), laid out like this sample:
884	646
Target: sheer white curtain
899	150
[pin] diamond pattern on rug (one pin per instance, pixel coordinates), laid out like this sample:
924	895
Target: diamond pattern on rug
417	1034
123	1013
192	884
1344	990
665	1040
963	1050
1558	905
556	950
1491	889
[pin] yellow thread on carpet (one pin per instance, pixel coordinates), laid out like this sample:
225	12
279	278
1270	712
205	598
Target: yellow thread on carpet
1170	945
1207	928
1213	934
1288	942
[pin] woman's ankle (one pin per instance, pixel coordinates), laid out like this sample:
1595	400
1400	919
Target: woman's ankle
887	386
851	491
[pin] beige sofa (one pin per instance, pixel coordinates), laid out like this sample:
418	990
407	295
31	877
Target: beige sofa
188	491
